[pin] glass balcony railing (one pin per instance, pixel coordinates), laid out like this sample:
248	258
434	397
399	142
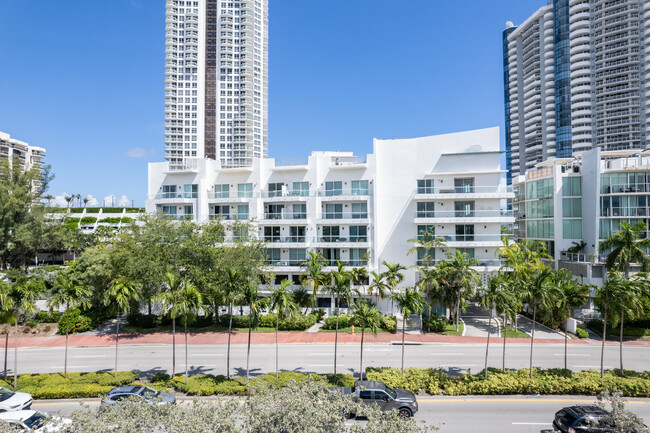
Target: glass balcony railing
285	216
288	193
467	189
274	262
230	217
464	214
350	192
338	239
285	239
344	215
173	195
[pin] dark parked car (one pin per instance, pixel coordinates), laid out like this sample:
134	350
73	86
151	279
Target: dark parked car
579	419
148	394
385	397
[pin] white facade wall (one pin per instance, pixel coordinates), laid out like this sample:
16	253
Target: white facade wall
387	210
29	156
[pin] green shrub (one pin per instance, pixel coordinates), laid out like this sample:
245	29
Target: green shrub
330	322
47	317
268	320
88	220
110	220
142	320
237	321
76	210
127	220
582	333
70	221
435	324
77	323
77	385
319	315
389	324
298	323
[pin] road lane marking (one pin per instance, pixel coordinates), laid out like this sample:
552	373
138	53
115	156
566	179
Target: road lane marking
531	423
325	365
446	354
593	366
320	354
458	365
572	354
69	367
88	356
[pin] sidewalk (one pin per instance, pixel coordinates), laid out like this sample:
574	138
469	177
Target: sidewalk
269	338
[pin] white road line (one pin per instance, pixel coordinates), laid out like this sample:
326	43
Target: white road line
88	356
458	365
593	366
531	423
325	365
69	367
446	354
572	354
321	354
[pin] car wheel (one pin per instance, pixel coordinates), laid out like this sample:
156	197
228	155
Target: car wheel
405	413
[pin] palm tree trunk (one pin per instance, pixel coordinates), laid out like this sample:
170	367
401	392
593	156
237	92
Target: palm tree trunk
248	350
336	336
173	346
487	346
532	340
363	331
117	338
67	330
185	351
6	349
505	332
16	353
566	338
277	325
457	312
229	332
621	342
602	348
403	335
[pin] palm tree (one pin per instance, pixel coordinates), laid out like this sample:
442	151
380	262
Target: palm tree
340	286
358	276
86	200
605	301
68	199
66	292
19	298
169	301
427	242
231	293
369	316
187	304
301	297
540	290
571	295
378	285
627	246
283	303
251	297
314	277
122	294
494	297
410	302
461	276
79	199
431	281
393	276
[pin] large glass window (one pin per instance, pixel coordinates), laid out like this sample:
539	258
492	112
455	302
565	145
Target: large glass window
464	233
572	186
359	210
297	256
272	234
242	212
299	211
191	191
358	257
539	208
273	255
359	187
333	188
426	230
275	189
169	210
425	209
245	190
188	211
222	191
571	207
222	212
169	191
358	234
540	229
572	229
539	189
274	211
300	189
464	209
331	255
426	254
333	211
467	251
297	234
425	186
331	233
464	186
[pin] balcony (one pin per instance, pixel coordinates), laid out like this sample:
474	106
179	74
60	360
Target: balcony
174	196
286	216
451	192
473	216
288	195
285	263
344	194
285	239
344	216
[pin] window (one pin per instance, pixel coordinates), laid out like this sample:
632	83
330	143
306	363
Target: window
299	211
358	234
331	255
169	210
300	189
297	256
191	191
539	189
240	233
365	395
572	207
572	186
425	186
425	209
331	233
273	255
464	209
359	187
274	212
359	210
464	233
424	230
222	212
468	251
245	190
541	229
242	212
358	257
428	255
272	234
333	211
297	234
187	210
333	188
540	208
572	229
464	185
275	189
222	191
169	191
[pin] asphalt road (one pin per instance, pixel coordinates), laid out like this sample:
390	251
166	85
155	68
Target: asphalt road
318	358
485	414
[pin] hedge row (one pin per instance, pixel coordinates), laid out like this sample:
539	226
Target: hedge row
77	385
388	323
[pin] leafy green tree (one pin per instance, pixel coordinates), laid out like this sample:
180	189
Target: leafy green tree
393	276
314	275
121	294
378	285
431	283
66	292
369	317
301	298
19	298
605	300
251	297
410	302
187	304
232	293
462	277
571	294
627	246
494	297
283	303
169	301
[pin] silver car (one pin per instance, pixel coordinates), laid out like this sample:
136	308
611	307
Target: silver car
150	395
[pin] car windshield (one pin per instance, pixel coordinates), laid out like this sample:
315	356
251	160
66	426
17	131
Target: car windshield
36	421
5	393
149	393
391	392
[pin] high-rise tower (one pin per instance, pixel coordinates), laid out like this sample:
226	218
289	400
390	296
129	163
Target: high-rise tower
216	81
576	77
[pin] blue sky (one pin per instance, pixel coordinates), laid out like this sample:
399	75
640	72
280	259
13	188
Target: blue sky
85	79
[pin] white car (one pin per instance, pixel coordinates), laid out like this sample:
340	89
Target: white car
11	401
34	421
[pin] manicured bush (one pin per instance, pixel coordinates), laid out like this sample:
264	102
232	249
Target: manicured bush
389	324
76	210
110	220
77	323
582	333
127	220
88	220
134	210
77	385
435	323
298	323
330	322
268	320
73	220
47	317
142	320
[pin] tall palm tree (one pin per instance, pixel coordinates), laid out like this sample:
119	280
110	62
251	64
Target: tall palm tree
341	287
462	277
605	300
187	303
283	303
68	200
79	199
168	299
232	290
314	277
358	275
393	276
66	292
377	285
572	294
86	200
426	242
626	246
369	317
301	297
19	298
540	290
122	294
431	282
251	297
409	302
494	297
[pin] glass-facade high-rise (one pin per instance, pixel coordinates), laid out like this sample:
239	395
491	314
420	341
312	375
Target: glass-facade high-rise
562	79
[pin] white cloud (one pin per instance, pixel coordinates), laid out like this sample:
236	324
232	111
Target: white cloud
59	200
92	201
124	201
136	152
109	200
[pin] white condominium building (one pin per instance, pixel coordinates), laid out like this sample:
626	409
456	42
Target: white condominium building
360	211
216	74
575	78
28	156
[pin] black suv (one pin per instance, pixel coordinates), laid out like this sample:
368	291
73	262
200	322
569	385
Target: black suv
579	419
